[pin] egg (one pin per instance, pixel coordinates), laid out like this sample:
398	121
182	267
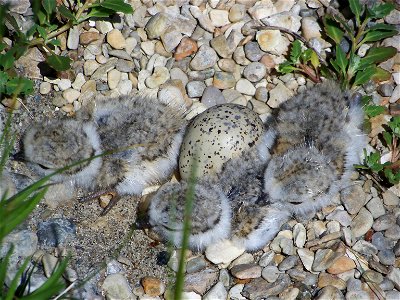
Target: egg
216	135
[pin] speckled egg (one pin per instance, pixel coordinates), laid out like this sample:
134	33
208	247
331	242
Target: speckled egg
217	135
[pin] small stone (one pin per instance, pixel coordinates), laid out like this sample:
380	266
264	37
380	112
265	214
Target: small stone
187	296
289	294
392	295
153	286
278	95
71	95
262	9
325	279
157	25
212	96
178	74
171	39
272	41
124	87
116	39
357	295
270	273
203	19
245	258
261	94
372	276
195	89
196	264
381	242
393	17
288	263
394	276
253	52
73	38
88	37
386	257
306	257
116	286
330	292
45	88
384	222
223	252
148	47
56	232
186	47
246	271
220	45
353	198
64	84
361	223
259	288
324	258
205	58
25	243
227	65
310	28
159	76
393	232
237	12
125	66
365	248
201	281
235	293
285	20
79	82
299	235
49	264
218	291
90	66
341	265
389	198
122	54
113	78
219	17
376	208
254	71
224	80
244	86
261	108
340	216
266	258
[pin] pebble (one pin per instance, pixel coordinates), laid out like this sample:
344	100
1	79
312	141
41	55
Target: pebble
310	28
186	47
90	66
262	9
200	282
353	198
384	222
124	87
116	286
88	37
195	89
372	276
357	295
73	38
272	41
262	109
341	265
325	279
341	216
253	52
278	95
153	286
288	263
237	12
361	223
394	276
245	258
196	264
178	74
266	258
157	25
244	86
116	39
56	232
245	271
389	198
25	243
220	45
330	292
45	88
393	232
261	94
224	80
270	273
254	71
387	257
212	96
259	288
223	252
219	17
299	235
203	19
159	76
376	208
171	39
189	296
235	293
306	257
324	258
49	264
218	291
78	82
365	248
71	95
205	58
113	78
381	242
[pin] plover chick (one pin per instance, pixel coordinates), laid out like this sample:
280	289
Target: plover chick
143	135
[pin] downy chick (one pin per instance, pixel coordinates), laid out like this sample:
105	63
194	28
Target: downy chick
143	135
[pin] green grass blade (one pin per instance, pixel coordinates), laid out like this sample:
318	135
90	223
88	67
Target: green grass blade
3	269
15	282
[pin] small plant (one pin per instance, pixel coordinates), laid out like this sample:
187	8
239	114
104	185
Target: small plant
347	66
52	18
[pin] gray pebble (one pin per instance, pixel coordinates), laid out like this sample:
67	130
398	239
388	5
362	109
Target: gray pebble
329	292
224	277
252	51
393	232
196	264
361	223
259	288
353	198
55	232
266	258
381	242
220	45
125	65
324	258
270	273
212	96
201	75
389	198
341	216
240	57
392	295
205	58
384	222
288	263
195	89
375	206
254	71
261	94
386	257
396	248
365	248
372	276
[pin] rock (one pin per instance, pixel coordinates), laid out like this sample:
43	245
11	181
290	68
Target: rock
381	242
341	216
212	96
196	264
116	286
376	208
393	17
73	38
116	39
259	288
306	257
171	39
227	65
88	37
289	294
122	54
224	80
25	244
235	293
159	76
124	87
153	286
201	281
325	279
324	258
372	276
64	84
203	19
195	89
389	198
361	223
261	108
272	41
90	66
79	82
56	232
261	94
157	25
386	257
393	232
365	248
148	47
113	78
45	88
245	258
288	263
186	47
299	235
205	58
357	295
353	198
246	271
262	9
310	28
237	12
278	95
218	291
102	70
384	222
253	52
178	74
330	292
270	273
71	95
394	276
220	45
223	252
254	71
266	258
392	295
219	17
285	20
245	87
341	265
188	296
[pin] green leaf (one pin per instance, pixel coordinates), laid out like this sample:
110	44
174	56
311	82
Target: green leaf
332	29
49	6
341	59
374	110
58	62
380	11
31	31
381	74
117	6
377	35
364	76
306	55
66	13
3	81
100	12
7	60
55	42
3	46
394	125
42	32
381	26
287	67
314	59
42	18
356	9
327	72
3	11
377	55
295	52
388	138
19	85
393	178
